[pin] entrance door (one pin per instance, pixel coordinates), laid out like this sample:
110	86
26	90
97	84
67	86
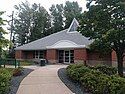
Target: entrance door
61	56
66	56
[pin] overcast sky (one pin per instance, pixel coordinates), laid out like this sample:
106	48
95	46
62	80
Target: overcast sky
8	5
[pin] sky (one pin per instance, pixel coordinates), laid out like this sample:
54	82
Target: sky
8	6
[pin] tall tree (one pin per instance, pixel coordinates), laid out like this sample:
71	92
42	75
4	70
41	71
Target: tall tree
71	10
41	23
105	23
22	22
32	22
57	17
3	42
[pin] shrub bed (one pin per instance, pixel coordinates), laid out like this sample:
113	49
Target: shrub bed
106	69
5	77
17	71
97	80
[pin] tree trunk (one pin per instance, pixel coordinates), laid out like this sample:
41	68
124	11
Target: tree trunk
0	52
120	64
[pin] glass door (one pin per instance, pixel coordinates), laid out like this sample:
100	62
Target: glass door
67	57
61	56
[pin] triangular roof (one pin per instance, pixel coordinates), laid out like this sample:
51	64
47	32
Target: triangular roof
74	25
62	39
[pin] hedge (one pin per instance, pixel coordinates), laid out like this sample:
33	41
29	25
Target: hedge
5	77
96	80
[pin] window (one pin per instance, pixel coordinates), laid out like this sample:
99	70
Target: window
38	54
41	54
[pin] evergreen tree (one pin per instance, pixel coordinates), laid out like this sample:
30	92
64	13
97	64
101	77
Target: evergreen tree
57	17
32	23
71	10
3	42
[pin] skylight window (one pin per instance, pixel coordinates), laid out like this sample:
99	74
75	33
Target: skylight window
74	25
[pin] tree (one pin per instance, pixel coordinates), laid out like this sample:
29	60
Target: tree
105	23
22	23
32	22
41	23
71	10
3	42
57	17
62	15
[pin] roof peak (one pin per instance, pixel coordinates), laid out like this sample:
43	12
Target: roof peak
74	25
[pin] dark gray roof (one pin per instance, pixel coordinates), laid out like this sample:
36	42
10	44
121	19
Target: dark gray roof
69	35
42	43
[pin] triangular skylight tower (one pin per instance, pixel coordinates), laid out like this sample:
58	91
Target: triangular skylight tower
74	25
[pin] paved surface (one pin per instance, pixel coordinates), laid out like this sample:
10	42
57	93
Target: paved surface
44	80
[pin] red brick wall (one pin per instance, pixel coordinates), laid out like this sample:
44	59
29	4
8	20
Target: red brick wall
51	55
98	56
80	54
95	58
18	54
28	55
114	57
24	54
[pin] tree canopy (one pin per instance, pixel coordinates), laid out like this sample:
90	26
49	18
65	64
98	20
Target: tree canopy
32	22
3	42
105	23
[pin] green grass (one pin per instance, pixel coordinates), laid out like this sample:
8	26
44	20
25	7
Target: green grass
26	63
9	69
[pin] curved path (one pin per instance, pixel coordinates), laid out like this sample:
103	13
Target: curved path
44	80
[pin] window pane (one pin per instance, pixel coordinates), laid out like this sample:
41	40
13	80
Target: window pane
41	54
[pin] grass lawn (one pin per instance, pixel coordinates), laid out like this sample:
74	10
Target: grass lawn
26	63
9	69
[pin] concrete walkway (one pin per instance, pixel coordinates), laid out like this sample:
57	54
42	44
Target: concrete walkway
44	80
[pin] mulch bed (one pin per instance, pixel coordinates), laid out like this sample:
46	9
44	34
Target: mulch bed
75	87
15	81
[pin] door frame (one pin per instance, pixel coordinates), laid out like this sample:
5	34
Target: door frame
69	50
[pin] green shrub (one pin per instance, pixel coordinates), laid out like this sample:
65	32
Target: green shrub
97	80
5	77
106	69
76	70
17	71
116	85
74	66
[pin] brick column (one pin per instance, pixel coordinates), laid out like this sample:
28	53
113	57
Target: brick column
80	55
18	54
30	55
51	55
114	59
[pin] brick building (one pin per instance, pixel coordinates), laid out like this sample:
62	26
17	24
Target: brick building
66	46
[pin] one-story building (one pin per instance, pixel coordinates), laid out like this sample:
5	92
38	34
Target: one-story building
66	46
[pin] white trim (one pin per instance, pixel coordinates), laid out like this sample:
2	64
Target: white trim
37	56
65	44
64	56
74	20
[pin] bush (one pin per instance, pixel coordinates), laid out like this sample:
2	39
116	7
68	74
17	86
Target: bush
17	72
96	79
76	72
5	77
116	85
95	82
106	69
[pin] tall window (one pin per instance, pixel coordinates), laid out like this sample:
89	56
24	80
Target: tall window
38	54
